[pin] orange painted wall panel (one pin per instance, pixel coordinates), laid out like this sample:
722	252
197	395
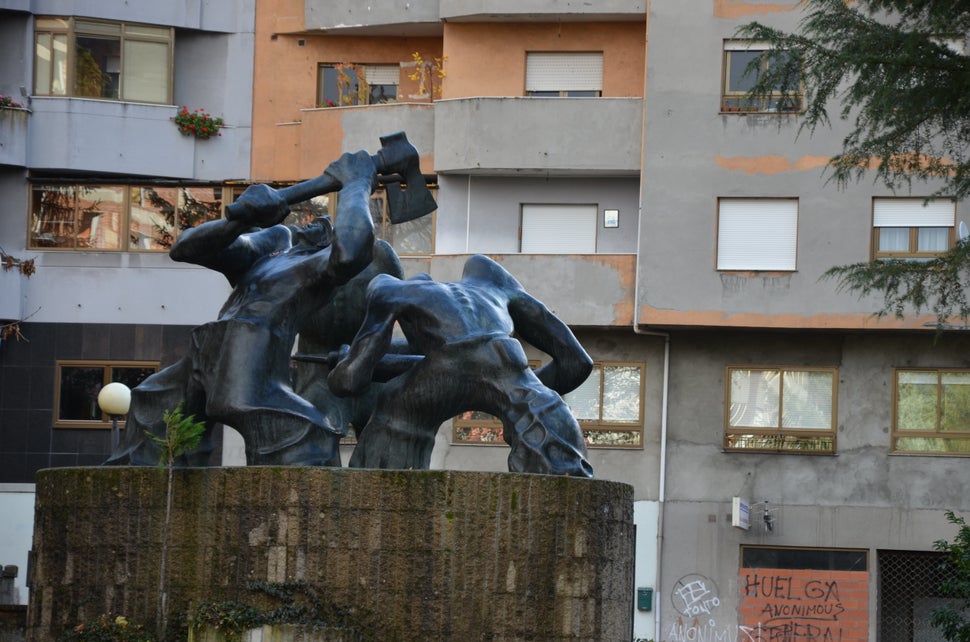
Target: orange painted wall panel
783	604
488	59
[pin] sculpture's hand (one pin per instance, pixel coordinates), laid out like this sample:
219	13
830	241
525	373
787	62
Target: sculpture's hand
260	206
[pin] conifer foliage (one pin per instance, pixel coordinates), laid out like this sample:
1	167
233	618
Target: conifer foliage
896	73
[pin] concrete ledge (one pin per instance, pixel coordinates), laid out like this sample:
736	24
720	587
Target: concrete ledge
431	555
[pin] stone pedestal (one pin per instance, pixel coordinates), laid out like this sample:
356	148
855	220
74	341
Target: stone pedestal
415	555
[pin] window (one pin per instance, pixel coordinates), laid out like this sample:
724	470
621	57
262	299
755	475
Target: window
738	80
561	74
110	60
117	217
756	234
558	229
911	227
931	411
609	405
780	409
78	385
342	84
411	238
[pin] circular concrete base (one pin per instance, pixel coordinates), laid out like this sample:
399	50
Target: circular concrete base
417	555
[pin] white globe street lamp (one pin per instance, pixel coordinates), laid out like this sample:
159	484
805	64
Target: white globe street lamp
114	400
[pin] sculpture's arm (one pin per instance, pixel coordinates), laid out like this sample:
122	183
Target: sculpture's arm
217	244
353	237
536	324
356	370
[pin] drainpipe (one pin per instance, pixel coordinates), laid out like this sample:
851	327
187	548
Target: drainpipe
662	490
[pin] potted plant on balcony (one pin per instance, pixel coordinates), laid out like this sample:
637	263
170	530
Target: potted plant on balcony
198	123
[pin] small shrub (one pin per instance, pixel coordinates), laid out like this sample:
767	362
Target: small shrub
7	101
107	628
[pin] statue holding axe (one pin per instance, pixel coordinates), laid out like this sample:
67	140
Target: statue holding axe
238	368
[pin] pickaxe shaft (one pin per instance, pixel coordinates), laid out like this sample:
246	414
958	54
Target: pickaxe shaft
390	365
396	156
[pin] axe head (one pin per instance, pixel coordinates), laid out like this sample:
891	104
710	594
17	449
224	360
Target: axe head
398	156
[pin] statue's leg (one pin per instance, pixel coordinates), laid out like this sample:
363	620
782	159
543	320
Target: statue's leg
539	427
409	410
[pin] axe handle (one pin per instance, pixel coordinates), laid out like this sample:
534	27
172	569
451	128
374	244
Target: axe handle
322	184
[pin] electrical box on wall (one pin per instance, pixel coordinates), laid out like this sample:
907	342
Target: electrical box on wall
644	598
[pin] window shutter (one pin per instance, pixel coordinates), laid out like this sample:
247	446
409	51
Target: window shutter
564	72
382	74
559	229
757	234
911	212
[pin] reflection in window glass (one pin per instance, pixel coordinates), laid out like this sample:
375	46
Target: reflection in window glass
99	217
52	216
932	412
151	222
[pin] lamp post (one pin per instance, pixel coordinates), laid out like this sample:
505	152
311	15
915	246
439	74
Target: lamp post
114	400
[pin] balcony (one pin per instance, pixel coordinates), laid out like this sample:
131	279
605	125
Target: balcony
13	136
326	133
374	18
582	290
106	136
542	10
538	136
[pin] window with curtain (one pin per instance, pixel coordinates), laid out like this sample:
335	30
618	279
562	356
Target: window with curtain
564	74
912	227
102	59
773	409
609	405
757	233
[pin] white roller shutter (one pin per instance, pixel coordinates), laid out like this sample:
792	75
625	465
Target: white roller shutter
559	229
382	74
564	71
757	234
912	212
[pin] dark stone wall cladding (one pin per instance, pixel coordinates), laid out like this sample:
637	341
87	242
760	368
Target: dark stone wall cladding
428	555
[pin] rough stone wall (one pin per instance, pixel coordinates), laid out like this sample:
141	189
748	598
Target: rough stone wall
427	555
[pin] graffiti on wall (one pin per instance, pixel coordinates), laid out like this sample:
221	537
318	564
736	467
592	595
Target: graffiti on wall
775	605
811	605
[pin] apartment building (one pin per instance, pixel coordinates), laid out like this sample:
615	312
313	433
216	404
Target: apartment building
96	180
791	454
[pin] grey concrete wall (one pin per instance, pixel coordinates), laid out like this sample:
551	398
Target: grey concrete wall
15	47
478	214
338	14
506	10
862	497
521	135
210	15
693	155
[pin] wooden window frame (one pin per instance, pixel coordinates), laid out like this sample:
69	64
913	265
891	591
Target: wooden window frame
778	439
938	433
635	427
107	365
913	251
738	101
